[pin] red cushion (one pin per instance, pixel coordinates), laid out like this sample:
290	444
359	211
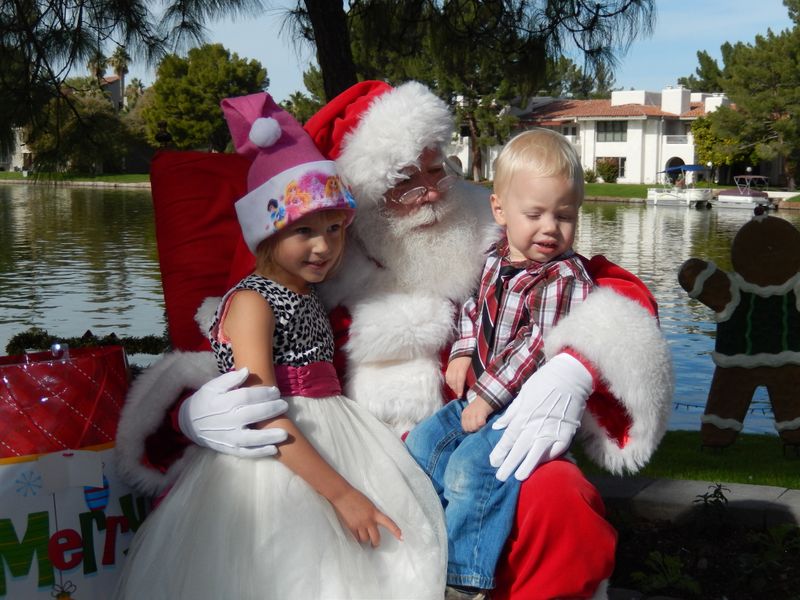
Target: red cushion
242	264
196	232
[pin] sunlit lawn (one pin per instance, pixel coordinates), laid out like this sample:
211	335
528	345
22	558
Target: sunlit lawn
756	459
616	190
123	178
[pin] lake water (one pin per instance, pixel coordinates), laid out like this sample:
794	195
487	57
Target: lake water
73	259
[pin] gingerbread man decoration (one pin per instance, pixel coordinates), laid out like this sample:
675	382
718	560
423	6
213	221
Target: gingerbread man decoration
757	310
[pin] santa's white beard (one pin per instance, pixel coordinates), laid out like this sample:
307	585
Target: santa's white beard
435	249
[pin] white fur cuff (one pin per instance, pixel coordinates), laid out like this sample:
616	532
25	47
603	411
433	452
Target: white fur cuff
622	339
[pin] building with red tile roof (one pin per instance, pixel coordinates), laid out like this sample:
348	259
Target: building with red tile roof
644	132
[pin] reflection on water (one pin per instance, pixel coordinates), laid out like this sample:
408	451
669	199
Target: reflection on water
653	242
73	259
76	259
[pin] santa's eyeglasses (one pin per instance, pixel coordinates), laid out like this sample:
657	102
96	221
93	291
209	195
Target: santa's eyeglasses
439	178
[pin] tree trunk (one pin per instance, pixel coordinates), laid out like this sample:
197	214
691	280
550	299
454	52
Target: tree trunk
475	150
335	57
477	159
789	171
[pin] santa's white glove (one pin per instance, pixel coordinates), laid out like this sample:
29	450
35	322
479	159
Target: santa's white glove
218	414
541	422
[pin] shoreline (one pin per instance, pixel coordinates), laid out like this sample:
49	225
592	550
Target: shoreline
145	185
781	204
140	185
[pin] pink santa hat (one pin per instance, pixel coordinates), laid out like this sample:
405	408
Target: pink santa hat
373	131
289	178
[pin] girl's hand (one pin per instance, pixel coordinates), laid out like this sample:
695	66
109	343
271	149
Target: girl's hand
474	416
456	374
362	518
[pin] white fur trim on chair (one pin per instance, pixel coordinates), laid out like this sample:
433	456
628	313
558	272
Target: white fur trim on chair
622	339
205	315
150	397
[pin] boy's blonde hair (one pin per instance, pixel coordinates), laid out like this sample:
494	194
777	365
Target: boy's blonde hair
544	151
266	249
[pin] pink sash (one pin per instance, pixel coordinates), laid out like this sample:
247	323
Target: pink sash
315	380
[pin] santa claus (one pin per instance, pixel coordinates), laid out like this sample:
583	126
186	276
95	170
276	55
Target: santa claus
408	266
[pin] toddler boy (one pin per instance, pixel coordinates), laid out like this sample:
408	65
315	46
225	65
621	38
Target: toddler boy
531	279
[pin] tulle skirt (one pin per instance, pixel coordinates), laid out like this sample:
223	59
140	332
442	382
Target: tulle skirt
246	529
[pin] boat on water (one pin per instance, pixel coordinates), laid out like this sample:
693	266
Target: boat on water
674	196
750	191
677	193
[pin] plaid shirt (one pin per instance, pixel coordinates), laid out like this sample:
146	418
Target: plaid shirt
533	302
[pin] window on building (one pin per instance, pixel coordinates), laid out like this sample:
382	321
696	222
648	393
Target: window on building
612	131
569	130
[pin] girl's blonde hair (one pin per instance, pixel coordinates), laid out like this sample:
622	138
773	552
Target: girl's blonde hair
544	151
266	249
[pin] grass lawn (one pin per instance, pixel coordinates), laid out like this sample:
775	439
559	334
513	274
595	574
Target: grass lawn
755	459
617	190
628	190
124	178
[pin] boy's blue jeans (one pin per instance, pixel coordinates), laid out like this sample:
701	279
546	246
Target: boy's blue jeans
479	509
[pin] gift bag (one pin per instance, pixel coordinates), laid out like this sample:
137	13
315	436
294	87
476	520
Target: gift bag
66	519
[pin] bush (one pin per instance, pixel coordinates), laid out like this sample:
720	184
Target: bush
608	169
589	176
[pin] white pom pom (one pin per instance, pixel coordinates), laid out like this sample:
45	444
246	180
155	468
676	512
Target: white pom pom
265	132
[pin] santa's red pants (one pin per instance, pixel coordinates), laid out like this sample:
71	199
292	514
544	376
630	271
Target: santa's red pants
561	546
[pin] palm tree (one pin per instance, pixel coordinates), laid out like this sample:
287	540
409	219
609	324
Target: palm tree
97	65
134	91
119	61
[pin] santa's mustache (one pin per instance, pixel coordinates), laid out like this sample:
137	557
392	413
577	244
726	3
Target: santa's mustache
424	215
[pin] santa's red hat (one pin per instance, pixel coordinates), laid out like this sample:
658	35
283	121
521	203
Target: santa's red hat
373	130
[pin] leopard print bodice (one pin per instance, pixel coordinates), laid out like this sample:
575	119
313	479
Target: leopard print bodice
302	331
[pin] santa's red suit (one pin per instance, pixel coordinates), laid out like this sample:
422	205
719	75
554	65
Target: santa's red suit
394	304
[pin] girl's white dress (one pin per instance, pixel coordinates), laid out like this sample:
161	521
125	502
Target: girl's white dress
246	529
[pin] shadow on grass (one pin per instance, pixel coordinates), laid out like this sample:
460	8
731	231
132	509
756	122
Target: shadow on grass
754	459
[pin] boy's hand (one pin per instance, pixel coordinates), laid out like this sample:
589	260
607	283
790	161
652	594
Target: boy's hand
362	518
475	414
456	374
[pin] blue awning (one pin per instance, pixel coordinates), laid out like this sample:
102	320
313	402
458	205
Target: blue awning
681	168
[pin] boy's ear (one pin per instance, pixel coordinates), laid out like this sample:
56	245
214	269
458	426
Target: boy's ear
497	210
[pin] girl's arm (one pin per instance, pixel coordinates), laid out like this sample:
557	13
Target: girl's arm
249	324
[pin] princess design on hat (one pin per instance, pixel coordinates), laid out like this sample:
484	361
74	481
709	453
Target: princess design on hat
277	213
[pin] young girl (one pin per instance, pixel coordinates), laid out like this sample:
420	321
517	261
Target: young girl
342	511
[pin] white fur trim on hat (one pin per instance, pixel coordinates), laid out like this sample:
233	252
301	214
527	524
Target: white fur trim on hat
391	135
288	196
